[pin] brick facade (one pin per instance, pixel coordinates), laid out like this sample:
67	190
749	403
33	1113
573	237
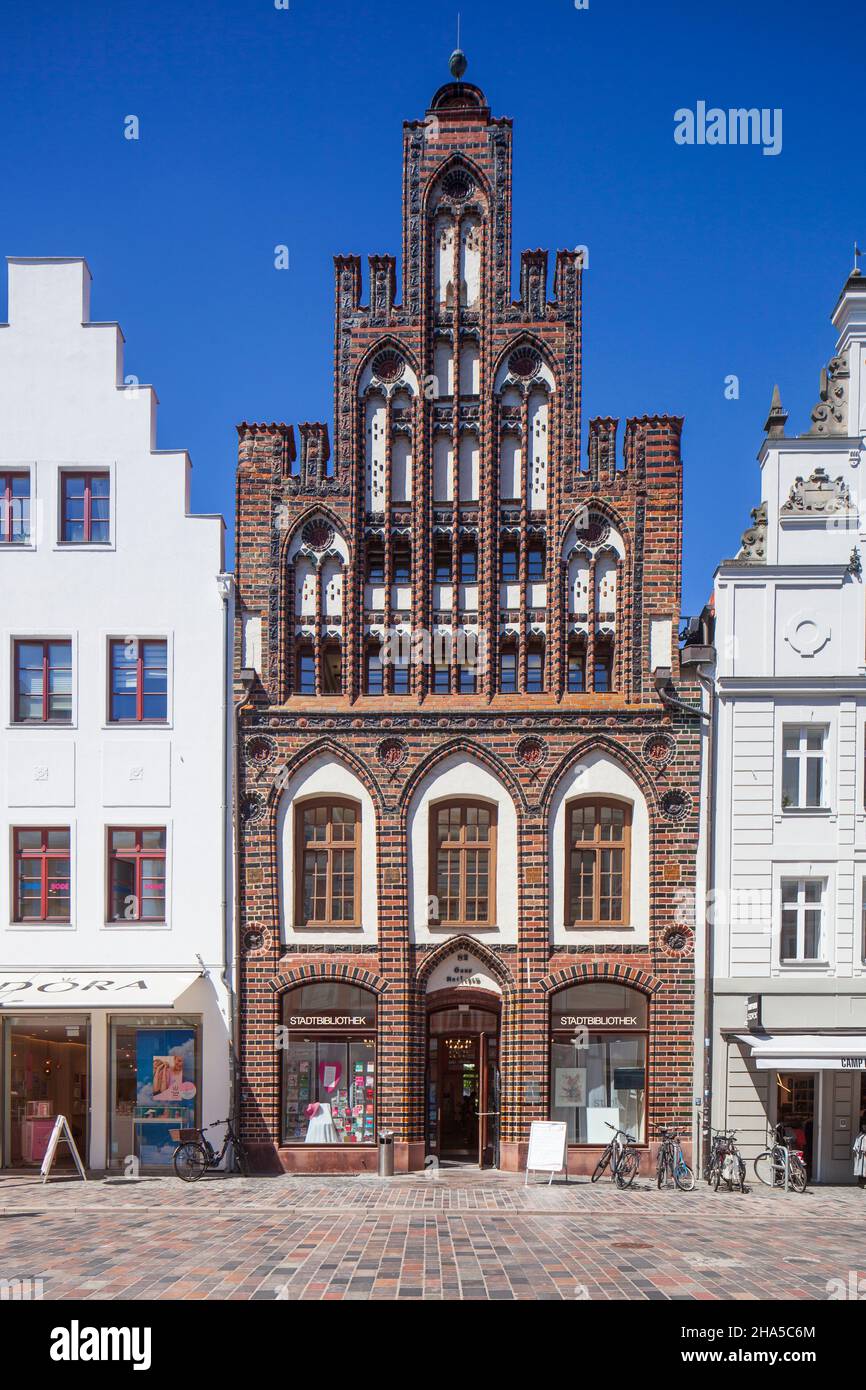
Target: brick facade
526	355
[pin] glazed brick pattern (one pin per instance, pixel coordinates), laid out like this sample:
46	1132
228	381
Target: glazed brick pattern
641	495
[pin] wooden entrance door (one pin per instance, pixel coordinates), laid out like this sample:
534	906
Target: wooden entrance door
462	1087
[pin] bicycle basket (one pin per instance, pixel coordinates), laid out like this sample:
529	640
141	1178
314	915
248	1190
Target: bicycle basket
185	1136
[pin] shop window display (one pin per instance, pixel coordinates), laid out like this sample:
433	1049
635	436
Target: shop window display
329	1066
155	1085
598	1061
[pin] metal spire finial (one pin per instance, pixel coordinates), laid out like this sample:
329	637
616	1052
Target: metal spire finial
457	62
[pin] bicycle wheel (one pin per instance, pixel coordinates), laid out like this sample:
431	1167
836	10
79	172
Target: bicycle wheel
662	1170
798	1174
601	1165
683	1175
241	1159
190	1162
626	1170
765	1169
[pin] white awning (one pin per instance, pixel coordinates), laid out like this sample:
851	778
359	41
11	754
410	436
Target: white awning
92	989
806	1051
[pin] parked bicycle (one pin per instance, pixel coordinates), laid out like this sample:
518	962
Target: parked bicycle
672	1161
726	1164
195	1154
781	1165
621	1157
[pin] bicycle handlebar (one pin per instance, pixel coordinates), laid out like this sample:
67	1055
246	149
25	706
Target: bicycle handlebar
630	1137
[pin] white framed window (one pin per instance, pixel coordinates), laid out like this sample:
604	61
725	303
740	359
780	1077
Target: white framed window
802	923
804	766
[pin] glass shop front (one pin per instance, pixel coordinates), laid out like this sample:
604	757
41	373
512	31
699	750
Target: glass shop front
598	1063
329	1064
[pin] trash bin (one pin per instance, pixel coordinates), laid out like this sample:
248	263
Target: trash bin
386	1153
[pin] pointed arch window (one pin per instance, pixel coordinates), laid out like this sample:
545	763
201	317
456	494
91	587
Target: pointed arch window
463	863
328	862
598	862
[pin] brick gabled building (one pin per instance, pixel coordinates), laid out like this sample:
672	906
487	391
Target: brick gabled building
468	819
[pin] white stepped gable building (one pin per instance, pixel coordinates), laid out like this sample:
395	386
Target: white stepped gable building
789	813
114	999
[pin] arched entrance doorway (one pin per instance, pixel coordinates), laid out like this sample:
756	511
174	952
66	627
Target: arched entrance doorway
463	1005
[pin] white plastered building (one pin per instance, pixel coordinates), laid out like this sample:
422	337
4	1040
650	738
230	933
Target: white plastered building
115	881
788	905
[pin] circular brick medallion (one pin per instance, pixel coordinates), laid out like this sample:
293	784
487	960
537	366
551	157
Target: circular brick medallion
260	750
675	804
458	184
392	753
318	534
525	363
253	808
532	752
677	941
594	531
658	750
388	365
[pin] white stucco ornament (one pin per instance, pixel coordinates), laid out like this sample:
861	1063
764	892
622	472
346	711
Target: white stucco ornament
807	632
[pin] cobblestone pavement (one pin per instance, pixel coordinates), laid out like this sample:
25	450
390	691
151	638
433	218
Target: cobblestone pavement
466	1235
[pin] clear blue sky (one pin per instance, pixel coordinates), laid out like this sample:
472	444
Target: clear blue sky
262	126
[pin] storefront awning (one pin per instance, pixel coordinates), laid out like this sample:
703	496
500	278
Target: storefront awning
806	1051
91	989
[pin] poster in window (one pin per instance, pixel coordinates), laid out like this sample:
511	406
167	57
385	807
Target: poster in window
569	1086
165	1065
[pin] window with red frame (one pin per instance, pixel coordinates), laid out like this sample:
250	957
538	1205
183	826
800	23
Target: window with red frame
43	682
42	869
85	508
14	508
136	875
139	681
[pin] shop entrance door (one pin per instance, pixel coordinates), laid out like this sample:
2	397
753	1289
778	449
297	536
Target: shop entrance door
46	1066
795	1109
463	1087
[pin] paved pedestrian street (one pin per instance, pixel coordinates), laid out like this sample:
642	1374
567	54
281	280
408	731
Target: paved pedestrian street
465	1235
